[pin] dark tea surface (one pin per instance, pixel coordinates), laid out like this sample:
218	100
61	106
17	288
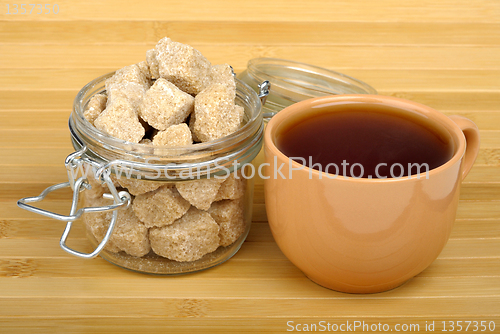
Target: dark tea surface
371	138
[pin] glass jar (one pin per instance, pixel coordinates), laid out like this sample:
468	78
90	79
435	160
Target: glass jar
293	82
160	210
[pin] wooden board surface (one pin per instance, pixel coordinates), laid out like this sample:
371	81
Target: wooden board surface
445	54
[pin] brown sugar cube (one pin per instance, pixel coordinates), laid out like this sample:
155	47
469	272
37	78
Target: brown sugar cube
130	91
183	65
120	121
97	223
192	121
188	239
152	63
160	207
215	114
200	193
229	215
175	135
165	105
144	67
129	74
223	74
239	111
129	83
130	235
138	187
95	107
232	188
146	141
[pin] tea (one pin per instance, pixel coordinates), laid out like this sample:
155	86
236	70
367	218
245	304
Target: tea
381	143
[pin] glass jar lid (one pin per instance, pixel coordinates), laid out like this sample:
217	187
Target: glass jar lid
293	81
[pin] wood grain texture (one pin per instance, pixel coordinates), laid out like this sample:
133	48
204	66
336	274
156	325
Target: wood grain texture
273	11
247	324
22	79
371	56
441	53
264	33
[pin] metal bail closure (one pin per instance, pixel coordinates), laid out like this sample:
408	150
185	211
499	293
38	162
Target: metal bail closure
121	199
72	162
264	88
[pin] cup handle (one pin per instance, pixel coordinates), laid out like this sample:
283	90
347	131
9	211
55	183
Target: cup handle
471	133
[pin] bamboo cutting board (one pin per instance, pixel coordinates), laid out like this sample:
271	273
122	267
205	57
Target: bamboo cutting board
445	54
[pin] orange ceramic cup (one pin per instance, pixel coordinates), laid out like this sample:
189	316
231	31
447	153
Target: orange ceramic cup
364	235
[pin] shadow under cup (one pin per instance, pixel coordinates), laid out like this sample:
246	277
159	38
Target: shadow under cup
364	235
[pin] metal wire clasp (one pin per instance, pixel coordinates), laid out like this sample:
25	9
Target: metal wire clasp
264	88
73	162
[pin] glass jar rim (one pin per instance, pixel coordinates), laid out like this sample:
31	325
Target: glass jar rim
296	81
104	149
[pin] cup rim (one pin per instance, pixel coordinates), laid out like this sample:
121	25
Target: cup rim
307	105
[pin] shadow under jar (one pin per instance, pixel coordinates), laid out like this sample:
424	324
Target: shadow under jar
155	209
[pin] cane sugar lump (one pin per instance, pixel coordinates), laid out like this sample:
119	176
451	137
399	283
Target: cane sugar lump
129	83
160	207
215	114
95	107
130	74
234	187
183	65
138	187
188	238
165	105
130	91
173	136
152	63
119	120
200	193
223	74
229	215
130	235
97	223
145	70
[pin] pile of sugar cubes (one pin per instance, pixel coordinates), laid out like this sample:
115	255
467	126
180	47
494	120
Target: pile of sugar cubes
174	98
151	101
